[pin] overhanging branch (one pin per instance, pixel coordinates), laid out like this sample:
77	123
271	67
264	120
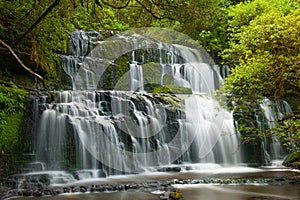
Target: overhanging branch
152	13
19	61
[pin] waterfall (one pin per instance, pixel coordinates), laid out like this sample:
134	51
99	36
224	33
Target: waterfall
136	77
213	129
274	110
111	123
130	131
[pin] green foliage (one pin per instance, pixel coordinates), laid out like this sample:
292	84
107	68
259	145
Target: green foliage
172	89
260	38
203	20
11	115
244	12
40	48
264	48
288	131
293	160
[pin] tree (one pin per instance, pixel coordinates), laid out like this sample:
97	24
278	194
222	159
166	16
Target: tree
39	30
264	48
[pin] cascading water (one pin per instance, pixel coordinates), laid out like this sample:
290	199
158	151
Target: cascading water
274	110
98	132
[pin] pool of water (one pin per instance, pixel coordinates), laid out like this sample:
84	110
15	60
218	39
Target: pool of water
195	192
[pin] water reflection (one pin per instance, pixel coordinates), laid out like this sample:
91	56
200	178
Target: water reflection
240	192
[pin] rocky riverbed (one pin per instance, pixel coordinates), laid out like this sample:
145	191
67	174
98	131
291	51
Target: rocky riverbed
236	183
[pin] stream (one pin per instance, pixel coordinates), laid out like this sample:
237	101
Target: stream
232	182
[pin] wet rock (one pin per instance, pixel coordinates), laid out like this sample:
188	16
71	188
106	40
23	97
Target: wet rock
37	194
195	181
108	188
44	180
92	189
26	193
3	190
127	186
56	192
169	169
66	190
165	196
99	188
132	186
75	189
121	187
83	189
48	192
176	181
280	180
164	183
115	187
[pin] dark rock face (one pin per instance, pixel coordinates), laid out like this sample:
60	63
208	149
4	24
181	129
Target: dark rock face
169	169
28	181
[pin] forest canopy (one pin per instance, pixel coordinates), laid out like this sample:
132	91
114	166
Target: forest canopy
39	30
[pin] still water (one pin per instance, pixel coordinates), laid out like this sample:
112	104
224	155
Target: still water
195	192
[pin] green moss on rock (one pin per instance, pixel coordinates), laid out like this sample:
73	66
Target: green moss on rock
292	160
172	89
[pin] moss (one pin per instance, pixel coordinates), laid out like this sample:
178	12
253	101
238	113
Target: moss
52	96
149	87
172	89
9	135
176	195
11	115
173	100
152	72
163	90
292	160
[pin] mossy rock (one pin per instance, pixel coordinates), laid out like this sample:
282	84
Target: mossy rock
292	160
149	87
176	195
172	89
163	90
